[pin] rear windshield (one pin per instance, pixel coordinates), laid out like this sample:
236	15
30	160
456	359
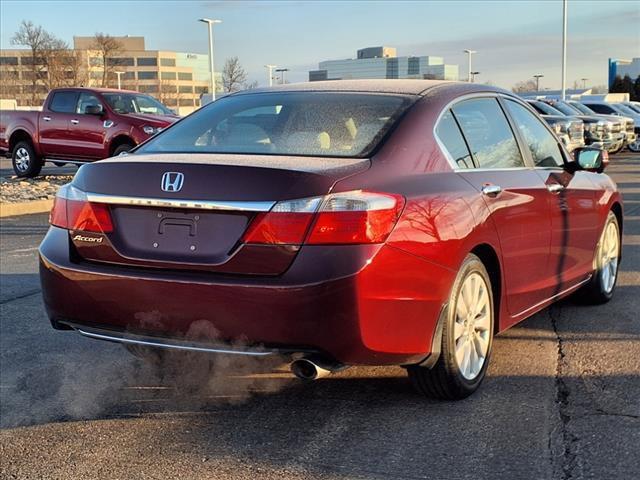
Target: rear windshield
289	123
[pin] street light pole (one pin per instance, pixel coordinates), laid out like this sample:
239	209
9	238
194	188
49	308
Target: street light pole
210	24
538	77
270	69
119	84
564	49
469	53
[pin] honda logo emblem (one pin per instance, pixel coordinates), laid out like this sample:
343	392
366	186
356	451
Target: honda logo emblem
172	181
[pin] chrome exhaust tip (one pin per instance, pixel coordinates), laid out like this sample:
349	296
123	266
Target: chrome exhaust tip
313	368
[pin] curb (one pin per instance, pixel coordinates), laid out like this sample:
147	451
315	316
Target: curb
25	208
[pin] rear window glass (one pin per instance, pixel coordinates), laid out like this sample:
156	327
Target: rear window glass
449	134
488	133
289	123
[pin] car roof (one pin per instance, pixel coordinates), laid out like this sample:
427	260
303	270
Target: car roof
389	86
99	90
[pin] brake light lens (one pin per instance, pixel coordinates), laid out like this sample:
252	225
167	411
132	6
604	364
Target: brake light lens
286	223
341	218
72	211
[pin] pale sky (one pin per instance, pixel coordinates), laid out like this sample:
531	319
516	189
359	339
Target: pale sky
514	39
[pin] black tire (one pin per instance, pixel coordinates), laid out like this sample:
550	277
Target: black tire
25	161
597	291
120	149
59	164
445	380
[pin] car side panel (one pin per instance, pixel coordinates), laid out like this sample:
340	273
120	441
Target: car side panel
575	226
12	121
87	137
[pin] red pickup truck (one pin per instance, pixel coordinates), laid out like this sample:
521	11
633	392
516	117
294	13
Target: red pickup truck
80	125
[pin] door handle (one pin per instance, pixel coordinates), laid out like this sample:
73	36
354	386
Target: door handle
555	187
491	190
46	119
75	122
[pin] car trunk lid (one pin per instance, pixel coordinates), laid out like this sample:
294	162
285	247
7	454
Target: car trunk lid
186	211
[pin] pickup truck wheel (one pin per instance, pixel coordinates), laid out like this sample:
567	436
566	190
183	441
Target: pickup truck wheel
120	149
25	161
635	146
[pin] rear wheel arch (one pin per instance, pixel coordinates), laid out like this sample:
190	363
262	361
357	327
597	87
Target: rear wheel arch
119	141
20	135
489	257
616	208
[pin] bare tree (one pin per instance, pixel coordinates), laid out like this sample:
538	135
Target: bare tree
168	92
525	86
40	42
64	66
108	48
10	86
233	75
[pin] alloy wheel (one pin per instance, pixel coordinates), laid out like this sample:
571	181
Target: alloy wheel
608	256
23	159
472	325
635	146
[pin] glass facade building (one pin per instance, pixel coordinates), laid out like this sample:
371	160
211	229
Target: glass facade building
620	68
382	62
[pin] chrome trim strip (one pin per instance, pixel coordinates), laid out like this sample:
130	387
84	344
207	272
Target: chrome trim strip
555	297
177	203
176	346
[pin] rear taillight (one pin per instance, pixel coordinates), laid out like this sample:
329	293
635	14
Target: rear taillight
286	223
339	218
72	210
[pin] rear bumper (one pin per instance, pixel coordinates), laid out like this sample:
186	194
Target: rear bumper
373	305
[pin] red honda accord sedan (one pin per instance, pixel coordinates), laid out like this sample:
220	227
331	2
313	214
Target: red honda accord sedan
337	223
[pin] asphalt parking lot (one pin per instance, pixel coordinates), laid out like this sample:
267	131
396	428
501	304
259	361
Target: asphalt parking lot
6	169
562	399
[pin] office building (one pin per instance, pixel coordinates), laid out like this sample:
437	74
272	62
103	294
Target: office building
178	79
383	62
620	68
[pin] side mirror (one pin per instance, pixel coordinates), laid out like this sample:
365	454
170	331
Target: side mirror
93	110
590	159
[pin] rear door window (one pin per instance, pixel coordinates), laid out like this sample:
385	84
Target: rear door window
64	102
488	133
543	146
450	136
